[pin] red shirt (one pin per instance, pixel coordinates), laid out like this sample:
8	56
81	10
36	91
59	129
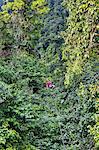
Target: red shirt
49	84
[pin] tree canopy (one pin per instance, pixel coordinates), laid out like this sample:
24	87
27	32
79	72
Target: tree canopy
56	42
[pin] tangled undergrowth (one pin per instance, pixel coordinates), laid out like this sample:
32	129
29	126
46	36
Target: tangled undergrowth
32	116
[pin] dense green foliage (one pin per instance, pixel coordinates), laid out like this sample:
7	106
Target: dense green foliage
51	41
17	102
39	43
81	49
20	24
